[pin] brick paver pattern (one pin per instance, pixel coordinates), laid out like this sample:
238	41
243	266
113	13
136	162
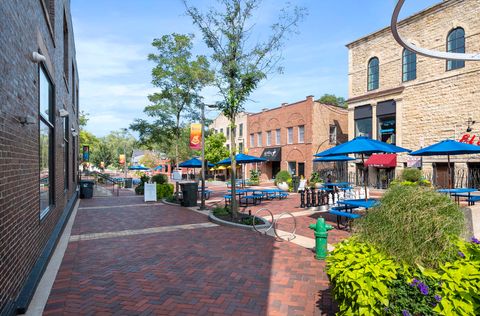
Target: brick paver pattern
145	262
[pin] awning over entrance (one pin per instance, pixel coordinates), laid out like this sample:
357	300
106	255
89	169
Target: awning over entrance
272	154
382	161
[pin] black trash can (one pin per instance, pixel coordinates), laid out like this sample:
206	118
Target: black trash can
189	193
86	189
295	183
128	183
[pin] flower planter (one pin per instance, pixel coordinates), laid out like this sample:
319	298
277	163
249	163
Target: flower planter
283	186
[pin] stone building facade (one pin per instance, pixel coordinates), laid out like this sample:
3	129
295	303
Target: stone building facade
288	136
38	141
221	124
414	101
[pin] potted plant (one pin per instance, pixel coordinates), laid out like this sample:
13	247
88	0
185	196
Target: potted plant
281	180
315	180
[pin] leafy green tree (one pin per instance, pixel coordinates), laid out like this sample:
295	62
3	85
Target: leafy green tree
180	78
121	142
215	149
241	63
103	153
332	99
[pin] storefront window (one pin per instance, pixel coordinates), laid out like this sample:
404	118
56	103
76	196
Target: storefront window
277	132
269	138
292	167
290	135
386	129
363	127
44	168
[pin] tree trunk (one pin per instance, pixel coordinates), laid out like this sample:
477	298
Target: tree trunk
233	165
176	152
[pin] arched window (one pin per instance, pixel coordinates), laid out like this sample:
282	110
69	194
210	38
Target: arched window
409	65
373	68
456	44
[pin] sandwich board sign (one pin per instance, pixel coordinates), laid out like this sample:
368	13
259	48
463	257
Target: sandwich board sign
150	192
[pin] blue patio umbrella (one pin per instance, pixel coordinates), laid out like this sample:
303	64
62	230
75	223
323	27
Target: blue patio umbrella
159	167
447	147
362	145
241	159
193	163
333	158
138	167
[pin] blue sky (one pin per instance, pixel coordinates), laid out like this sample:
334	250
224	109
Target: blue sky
113	39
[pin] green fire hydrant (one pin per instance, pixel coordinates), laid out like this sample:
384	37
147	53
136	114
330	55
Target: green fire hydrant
320	229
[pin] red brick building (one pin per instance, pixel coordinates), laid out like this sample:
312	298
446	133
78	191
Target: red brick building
38	141
289	135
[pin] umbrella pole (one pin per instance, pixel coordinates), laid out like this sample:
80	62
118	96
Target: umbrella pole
364	178
449	173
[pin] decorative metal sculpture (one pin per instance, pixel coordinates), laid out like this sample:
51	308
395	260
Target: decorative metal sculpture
424	51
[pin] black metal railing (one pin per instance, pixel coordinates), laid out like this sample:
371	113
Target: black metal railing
108	180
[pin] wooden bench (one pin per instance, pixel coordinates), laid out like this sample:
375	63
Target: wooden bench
341	211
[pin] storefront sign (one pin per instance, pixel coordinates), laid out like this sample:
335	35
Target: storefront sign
272	154
414	162
196	136
471	139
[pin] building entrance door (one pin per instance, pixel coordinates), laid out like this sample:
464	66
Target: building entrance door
473	174
275	168
440	171
301	169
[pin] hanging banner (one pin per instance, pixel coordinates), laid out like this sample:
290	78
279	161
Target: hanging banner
86	153
196	136
121	159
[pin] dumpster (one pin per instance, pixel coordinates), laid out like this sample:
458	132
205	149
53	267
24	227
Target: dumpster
189	193
128	183
86	189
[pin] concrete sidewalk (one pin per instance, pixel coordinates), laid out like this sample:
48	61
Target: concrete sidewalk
127	258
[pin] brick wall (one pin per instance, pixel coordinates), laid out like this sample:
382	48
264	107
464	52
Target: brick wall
23	236
438	103
316	119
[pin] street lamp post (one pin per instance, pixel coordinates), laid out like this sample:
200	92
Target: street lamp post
202	195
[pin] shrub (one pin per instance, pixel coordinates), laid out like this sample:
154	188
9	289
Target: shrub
160	178
314	178
140	189
360	277
164	190
282	176
366	281
411	174
221	211
254	177
413	224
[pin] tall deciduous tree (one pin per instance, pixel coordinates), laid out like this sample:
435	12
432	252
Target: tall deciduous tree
215	149
180	77
332	99
242	63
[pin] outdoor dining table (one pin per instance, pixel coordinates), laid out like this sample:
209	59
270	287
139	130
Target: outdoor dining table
271	193
458	192
355	203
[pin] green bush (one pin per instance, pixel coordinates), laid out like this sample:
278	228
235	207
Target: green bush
360	277
314	178
164	190
411	174
414	224
282	176
221	211
365	281
140	189
254	177
160	178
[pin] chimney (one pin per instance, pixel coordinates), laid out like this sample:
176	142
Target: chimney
309	98
264	109
284	104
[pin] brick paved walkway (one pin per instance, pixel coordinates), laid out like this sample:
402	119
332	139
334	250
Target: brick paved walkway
203	269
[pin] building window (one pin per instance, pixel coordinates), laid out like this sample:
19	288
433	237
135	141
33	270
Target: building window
409	65
234	132
252	140
240	130
290	135
65	47
228	132
46	142
259	139
240	148
301	133
386	129
221	131
49	5
74	160
363	127
73	86
269	138
373	71
456	44
333	134
228	147
292	167
66	134
277	136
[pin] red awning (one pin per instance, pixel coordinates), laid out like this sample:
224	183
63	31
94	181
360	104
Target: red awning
382	161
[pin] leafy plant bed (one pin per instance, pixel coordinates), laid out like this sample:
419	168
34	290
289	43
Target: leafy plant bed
222	216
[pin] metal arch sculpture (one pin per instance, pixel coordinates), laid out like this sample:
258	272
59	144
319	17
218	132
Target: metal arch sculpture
424	51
